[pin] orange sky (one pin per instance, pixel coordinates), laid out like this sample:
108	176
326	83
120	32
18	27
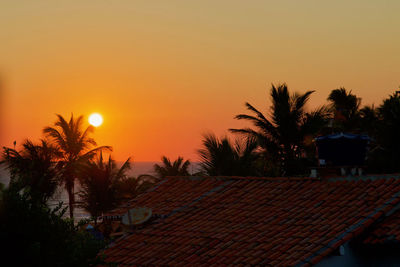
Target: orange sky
164	72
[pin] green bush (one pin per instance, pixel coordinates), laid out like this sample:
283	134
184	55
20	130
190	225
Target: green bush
34	235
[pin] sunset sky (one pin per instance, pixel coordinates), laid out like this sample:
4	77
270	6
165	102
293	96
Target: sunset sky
163	72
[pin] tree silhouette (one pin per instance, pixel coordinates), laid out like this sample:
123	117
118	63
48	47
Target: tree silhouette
99	185
76	148
131	187
345	107
221	157
41	235
177	168
389	131
34	169
282	136
368	116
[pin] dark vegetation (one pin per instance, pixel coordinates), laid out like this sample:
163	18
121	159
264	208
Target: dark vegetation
285	134
177	168
278	142
100	182
282	135
222	157
34	235
76	149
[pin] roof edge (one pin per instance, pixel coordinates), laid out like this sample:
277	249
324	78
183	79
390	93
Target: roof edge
224	177
353	230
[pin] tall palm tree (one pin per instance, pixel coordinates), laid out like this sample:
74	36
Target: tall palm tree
76	147
282	136
99	185
34	169
345	107
177	168
222	157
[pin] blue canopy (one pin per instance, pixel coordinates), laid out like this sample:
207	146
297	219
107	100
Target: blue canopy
343	135
343	149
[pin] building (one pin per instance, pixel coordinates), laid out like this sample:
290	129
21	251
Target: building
263	221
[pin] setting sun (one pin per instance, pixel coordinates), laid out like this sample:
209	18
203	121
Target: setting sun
95	119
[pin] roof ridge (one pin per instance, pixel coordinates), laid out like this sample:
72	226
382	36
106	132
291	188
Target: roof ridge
226	177
289	179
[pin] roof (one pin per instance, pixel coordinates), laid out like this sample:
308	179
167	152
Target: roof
386	232
267	221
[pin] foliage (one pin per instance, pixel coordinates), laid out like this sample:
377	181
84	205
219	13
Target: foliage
221	157
369	120
34	169
345	107
389	132
130	187
99	185
76	148
176	168
344	102
283	136
34	235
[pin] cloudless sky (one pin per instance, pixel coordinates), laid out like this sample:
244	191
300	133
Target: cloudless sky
164	72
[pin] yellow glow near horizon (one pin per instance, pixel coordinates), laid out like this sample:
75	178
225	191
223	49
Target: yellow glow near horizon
95	119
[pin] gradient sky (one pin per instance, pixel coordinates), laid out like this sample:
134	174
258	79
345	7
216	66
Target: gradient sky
164	72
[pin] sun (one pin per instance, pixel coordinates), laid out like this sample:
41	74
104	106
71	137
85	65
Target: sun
95	119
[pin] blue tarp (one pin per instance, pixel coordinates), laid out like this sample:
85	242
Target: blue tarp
343	135
343	149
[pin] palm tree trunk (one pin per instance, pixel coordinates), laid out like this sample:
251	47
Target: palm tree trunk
71	200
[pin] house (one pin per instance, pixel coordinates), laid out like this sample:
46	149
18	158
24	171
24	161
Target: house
206	221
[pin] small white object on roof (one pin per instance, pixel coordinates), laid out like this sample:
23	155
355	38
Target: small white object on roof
136	216
314	173
342	250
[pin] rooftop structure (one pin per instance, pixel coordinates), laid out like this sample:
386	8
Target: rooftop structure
267	221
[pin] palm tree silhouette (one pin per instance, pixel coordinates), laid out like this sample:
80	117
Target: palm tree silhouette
176	168
132	186
99	185
389	131
34	169
76	148
345	107
222	157
282	135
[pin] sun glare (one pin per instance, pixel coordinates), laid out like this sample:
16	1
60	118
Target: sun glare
95	119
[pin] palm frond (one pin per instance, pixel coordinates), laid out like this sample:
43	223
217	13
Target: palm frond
57	136
124	168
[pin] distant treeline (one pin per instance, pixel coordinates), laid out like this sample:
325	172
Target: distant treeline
280	142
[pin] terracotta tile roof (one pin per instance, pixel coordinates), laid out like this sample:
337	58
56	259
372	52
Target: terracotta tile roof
271	221
387	231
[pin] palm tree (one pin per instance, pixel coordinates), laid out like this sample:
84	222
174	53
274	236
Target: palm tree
131	187
282	136
345	107
176	168
221	157
76	148
389	131
369	120
34	169
99	185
